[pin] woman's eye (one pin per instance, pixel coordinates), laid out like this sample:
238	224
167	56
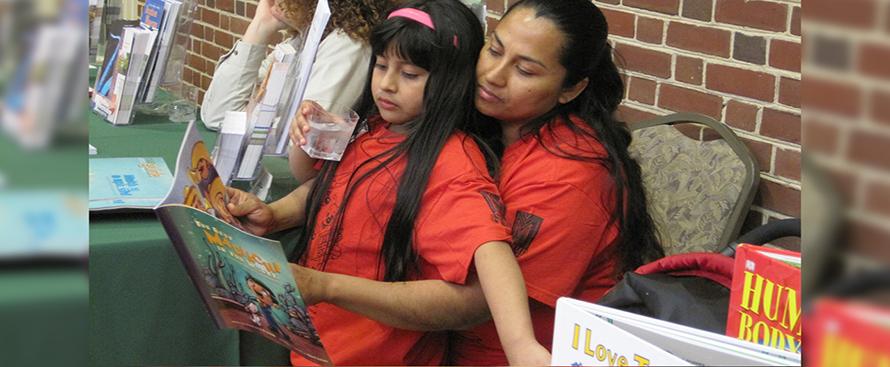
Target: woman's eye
524	72
494	52
380	66
409	75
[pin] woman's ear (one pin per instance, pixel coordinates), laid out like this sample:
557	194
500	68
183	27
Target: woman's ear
569	94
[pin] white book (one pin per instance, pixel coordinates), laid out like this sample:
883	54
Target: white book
227	151
307	58
264	110
593	335
136	47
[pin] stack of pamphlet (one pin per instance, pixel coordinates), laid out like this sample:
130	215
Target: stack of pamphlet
136	56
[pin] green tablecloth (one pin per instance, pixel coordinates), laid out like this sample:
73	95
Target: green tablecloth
143	308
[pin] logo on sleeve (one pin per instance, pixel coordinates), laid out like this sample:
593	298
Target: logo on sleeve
496	206
525	229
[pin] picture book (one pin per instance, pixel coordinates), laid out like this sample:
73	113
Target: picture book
848	334
764	302
587	334
128	183
43	223
244	280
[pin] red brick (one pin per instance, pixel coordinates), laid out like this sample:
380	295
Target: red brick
650	30
778	198
707	40
249	10
858	14
642	90
880	106
873	60
613	2
829	96
646	61
820	137
237	25
209	16
870	149
762	152
785	55
671	7
689	70
226	5
195	61
780	125
746	83
869	241
197	30
632	115
788	164
789	92
687	100
741	115
491	24
795	21
205	82
223	39
876	199
698	9
764	15
620	23
496	6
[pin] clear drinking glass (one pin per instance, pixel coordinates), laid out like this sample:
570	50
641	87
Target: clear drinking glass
184	108
329	132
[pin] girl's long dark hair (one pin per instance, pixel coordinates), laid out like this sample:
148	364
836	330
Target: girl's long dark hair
586	53
449	54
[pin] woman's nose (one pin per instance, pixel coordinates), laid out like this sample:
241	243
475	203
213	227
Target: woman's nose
495	74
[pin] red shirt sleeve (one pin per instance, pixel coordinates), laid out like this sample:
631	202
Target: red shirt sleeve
559	229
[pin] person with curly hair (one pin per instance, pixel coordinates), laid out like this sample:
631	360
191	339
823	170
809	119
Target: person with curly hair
340	69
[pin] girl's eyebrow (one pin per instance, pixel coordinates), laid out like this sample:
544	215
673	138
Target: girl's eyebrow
520	56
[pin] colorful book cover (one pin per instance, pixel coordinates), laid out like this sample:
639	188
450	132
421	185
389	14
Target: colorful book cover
152	14
765	303
105	76
244	280
847	334
128	183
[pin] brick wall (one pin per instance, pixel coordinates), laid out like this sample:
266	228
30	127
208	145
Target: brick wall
847	124
737	61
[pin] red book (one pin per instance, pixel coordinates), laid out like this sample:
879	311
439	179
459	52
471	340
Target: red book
764	303
849	334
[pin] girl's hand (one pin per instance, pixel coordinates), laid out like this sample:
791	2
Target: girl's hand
313	284
300	126
256	217
527	353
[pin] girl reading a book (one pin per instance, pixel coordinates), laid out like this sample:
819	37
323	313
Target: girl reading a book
573	196
411	199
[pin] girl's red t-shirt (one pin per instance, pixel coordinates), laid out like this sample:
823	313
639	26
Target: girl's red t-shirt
457	215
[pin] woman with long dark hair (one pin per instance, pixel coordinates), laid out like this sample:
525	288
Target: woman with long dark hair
574	196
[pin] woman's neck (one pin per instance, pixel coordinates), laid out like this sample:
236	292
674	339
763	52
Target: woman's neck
511	132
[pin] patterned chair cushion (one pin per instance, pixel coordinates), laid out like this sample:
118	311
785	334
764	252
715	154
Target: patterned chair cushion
691	185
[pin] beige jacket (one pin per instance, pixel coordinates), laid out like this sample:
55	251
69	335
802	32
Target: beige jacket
338	76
